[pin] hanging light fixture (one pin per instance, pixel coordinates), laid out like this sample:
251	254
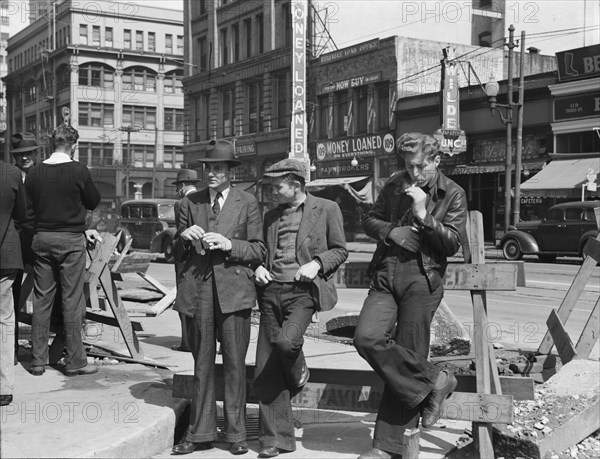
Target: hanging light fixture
354	162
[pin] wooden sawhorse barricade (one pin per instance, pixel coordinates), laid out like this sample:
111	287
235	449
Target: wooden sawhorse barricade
97	274
483	400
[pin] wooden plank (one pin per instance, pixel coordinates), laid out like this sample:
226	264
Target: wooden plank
411	443
561	338
165	303
134	262
592	249
589	335
113	322
156	284
568	304
123	253
458	276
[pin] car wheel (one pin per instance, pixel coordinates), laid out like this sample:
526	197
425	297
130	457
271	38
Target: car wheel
511	250
545	258
168	251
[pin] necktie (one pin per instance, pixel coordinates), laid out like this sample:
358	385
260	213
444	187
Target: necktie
216	207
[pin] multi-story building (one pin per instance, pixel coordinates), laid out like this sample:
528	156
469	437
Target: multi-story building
118	67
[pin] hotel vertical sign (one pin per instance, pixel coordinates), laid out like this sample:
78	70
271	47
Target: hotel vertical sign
298	148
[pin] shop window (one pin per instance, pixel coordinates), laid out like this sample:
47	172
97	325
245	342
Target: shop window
341	116
362	113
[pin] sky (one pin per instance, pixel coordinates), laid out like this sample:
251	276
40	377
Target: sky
550	25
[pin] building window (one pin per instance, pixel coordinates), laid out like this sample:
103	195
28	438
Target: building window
83	34
201	118
383	93
248	36
228	99
362	112
96	115
255	99
260	33
224	47
578	142
139	117
341	118
127	39
96	154
169	43
63	78
139	79
108	37
203	49
236	42
143	155
46	123
139	40
485	39
173	119
286	24
30	124
179	44
282	103
30	92
96	35
96	75
172	157
151	41
323	116
173	82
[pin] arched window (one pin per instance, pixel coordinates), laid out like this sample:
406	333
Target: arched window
173	82
139	79
485	39
96	74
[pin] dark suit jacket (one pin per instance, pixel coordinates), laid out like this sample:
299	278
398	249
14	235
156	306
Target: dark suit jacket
239	221
13	208
320	236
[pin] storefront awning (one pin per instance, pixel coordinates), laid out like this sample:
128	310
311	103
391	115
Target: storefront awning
561	178
338	181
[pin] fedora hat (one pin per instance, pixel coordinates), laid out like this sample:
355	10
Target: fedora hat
22	142
220	151
186	175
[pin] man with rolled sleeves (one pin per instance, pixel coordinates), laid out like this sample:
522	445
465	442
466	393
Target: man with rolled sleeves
418	220
219	240
306	243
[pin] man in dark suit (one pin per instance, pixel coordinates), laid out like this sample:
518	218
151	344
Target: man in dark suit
13	208
218	239
418	220
306	243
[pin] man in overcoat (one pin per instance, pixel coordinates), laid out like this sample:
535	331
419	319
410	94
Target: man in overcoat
219	240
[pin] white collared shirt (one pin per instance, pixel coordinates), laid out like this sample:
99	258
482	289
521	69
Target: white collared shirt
213	195
58	158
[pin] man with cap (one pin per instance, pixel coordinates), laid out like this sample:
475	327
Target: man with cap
306	245
418	220
185	184
218	239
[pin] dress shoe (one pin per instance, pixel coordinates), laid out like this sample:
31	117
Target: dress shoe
302	380
5	400
239	447
442	389
37	370
187	447
87	370
180	348
269	451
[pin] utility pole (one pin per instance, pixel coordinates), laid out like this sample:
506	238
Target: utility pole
517	206
508	164
126	163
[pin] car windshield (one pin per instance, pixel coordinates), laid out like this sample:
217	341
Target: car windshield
166	212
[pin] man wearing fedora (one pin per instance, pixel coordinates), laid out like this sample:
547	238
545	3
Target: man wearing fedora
24	150
306	243
186	182
218	239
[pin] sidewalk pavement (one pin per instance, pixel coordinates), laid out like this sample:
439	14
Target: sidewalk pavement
126	409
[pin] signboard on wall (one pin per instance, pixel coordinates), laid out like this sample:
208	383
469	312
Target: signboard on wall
358	146
298	126
365	47
344	168
349	83
578	64
577	106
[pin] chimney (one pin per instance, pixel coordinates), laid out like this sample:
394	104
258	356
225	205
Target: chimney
533	50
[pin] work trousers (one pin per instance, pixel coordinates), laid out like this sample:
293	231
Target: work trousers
234	332
286	311
59	259
7	331
393	335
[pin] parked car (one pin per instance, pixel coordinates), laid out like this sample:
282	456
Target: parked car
150	224
564	231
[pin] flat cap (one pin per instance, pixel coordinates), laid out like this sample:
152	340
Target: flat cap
285	167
